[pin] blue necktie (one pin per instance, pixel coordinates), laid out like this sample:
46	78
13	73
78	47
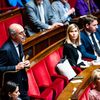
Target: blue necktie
96	48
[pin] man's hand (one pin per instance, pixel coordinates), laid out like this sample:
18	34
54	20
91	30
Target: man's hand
26	63
22	65
55	25
71	11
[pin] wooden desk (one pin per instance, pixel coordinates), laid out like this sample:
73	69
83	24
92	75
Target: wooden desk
67	92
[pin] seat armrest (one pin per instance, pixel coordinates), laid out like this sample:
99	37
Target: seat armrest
76	69
66	81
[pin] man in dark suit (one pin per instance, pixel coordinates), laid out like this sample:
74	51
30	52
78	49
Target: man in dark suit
90	37
39	16
12	59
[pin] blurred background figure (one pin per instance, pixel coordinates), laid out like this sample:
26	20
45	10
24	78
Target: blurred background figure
62	11
39	16
84	7
95	92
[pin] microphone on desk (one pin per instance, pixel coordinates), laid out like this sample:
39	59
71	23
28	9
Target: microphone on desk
27	57
28	54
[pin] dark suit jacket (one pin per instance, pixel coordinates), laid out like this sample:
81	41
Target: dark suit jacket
71	53
87	48
34	23
8	60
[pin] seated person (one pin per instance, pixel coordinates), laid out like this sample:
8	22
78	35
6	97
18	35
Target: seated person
90	38
18	3
39	16
84	7
70	47
94	94
62	11
10	91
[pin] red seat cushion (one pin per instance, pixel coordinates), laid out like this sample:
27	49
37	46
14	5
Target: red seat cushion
43	78
33	89
41	74
52	61
4	24
72	3
32	85
3	33
61	51
58	86
14	19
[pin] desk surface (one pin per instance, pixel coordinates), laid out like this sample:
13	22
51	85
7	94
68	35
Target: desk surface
68	90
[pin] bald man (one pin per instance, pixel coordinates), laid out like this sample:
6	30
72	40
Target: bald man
12	59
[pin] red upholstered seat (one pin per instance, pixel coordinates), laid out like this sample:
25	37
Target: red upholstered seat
14	19
41	74
60	50
51	62
3	34
4	24
72	3
33	89
76	69
44	81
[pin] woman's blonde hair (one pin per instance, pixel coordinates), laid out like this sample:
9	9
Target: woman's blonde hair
95	75
69	29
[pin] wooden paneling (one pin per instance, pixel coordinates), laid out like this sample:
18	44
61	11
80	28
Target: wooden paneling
42	40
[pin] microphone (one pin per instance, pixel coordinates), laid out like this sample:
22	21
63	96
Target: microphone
28	54
27	57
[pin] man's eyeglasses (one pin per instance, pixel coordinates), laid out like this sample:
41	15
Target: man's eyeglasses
22	32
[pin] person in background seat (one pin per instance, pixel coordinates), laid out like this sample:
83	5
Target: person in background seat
71	45
90	38
39	16
62	11
84	7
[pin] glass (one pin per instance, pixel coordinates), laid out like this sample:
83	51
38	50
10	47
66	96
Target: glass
22	32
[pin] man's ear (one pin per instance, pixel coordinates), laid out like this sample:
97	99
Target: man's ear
13	36
87	25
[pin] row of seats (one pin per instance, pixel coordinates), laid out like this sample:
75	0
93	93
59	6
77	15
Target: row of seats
44	81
